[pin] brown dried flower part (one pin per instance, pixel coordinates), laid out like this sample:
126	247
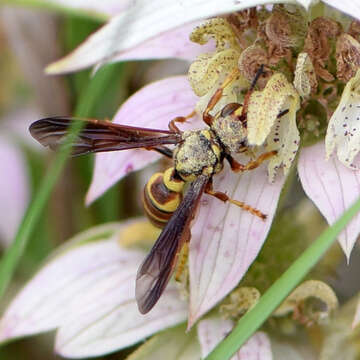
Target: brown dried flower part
318	46
239	302
354	29
305	81
311	302
218	29
347	57
284	29
244	19
249	62
241	22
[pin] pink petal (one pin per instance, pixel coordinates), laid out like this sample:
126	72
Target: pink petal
142	22
213	330
349	7
14	189
226	239
332	187
152	107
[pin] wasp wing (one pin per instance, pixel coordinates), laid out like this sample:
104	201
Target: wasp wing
157	268
99	136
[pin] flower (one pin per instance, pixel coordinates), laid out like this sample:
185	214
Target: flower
313	79
329	184
90	283
87	293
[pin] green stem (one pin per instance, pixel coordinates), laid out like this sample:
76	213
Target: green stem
272	298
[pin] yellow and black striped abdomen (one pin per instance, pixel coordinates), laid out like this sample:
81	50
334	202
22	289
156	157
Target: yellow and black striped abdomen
162	196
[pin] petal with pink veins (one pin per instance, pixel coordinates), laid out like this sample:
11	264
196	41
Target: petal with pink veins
142	22
151	107
108	319
332	187
14	189
59	281
213	330
227	239
89	283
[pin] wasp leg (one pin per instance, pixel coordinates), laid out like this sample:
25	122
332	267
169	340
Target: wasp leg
208	119
236	166
180	119
223	197
242	115
163	150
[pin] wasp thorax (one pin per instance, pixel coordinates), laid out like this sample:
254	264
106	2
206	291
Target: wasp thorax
199	153
231	132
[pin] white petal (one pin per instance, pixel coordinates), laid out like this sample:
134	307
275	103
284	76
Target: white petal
88	290
151	107
349	7
212	330
109	319
343	130
14	189
43	302
226	239
142	22
172	344
172	44
108	7
332	187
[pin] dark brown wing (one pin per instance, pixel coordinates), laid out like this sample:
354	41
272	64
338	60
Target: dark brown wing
99	136
157	268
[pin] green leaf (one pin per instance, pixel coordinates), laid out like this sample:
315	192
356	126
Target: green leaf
272	298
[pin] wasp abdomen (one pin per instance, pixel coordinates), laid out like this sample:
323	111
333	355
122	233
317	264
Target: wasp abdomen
162	196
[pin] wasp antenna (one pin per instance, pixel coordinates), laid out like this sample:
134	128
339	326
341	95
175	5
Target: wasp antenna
256	78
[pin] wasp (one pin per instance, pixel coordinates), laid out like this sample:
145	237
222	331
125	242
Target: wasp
197	156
